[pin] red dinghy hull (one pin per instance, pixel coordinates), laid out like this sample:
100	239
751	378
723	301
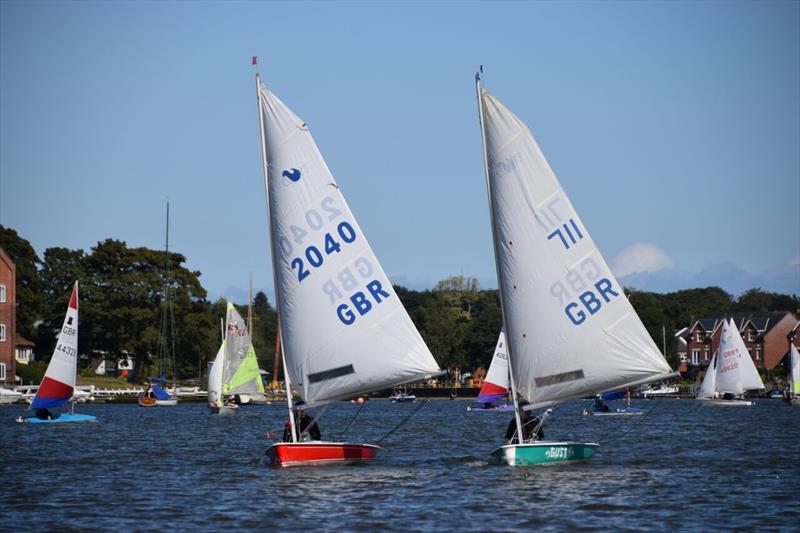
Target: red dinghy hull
319	453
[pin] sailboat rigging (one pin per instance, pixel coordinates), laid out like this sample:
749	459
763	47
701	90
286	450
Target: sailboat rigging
571	332
156	392
343	330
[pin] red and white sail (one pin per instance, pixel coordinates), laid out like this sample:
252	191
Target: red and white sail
495	385
59	379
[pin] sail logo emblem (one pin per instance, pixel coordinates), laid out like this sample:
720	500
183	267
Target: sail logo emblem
293	175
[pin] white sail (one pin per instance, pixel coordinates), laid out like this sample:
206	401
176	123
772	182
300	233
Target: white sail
736	371
58	383
240	372
215	378
571	331
344	329
709	385
794	371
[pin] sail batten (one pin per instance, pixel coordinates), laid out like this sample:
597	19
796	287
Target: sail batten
571	330
344	329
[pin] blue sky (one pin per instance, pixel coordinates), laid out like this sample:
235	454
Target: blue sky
674	128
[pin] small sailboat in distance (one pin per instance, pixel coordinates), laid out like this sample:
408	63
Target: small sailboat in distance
570	329
344	331
495	384
793	394
730	373
235	367
58	384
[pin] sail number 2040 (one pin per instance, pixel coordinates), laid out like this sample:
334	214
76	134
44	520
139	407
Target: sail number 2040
316	257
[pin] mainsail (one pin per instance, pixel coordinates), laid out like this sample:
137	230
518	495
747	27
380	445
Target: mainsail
736	371
343	328
495	385
571	331
240	372
58	382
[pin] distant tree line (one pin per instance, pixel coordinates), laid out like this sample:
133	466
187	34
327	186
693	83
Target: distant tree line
122	291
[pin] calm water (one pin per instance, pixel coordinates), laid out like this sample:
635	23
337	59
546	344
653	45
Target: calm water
683	466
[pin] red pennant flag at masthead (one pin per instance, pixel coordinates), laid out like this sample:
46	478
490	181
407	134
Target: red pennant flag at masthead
255	60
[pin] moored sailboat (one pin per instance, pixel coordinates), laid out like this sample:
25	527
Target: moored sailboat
344	331
730	373
156	395
58	384
570	329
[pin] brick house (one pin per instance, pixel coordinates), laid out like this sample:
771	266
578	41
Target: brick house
8	313
765	336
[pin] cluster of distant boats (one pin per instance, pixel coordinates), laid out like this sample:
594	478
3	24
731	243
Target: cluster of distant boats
568	330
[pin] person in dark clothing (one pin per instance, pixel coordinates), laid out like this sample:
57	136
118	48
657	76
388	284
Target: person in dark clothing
600	405
529	423
304	423
44	414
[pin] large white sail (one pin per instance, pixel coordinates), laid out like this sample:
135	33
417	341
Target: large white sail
709	385
736	371
344	329
240	372
571	331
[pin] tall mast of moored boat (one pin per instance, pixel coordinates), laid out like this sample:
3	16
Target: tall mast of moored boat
479	88
265	165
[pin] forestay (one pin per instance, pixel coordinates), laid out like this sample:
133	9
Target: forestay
58	382
571	331
240	372
495	385
344	329
736	371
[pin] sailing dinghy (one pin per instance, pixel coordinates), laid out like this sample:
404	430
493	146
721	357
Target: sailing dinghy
601	409
58	384
793	394
571	331
343	329
495	384
235	370
730	373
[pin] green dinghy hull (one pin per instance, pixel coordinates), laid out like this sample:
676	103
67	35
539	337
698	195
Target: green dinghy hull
544	453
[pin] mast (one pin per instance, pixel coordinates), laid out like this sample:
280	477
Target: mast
277	362
250	307
512	382
265	168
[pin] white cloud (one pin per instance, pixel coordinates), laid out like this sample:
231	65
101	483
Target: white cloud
640	257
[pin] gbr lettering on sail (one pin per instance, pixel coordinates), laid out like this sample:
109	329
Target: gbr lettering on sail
321	247
585	288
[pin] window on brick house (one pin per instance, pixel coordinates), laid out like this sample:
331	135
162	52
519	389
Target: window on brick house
695	356
699	336
2	371
705	355
2	332
2	294
751	336
758	353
